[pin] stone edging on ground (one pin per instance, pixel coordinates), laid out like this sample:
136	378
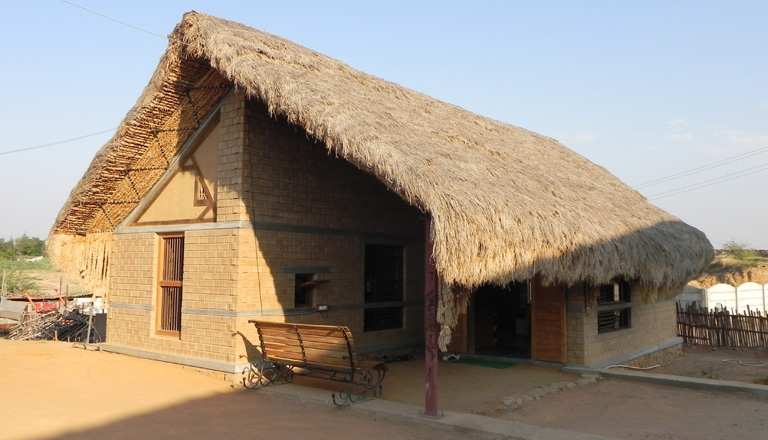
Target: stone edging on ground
514	401
686	382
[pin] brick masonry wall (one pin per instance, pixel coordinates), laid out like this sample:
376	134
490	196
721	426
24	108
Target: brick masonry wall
210	290
310	210
133	298
651	324
575	324
213	273
234	183
321	212
132	292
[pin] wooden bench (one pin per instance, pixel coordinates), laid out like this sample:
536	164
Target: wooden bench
325	351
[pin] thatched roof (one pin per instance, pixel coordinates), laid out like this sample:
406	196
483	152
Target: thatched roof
505	203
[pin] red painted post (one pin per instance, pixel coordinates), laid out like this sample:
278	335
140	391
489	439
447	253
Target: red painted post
430	323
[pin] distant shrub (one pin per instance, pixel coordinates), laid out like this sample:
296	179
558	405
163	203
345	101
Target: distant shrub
16	281
742	254
23	265
7	252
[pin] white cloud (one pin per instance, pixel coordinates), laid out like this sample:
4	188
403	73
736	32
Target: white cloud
680	137
742	139
732	142
579	137
675	122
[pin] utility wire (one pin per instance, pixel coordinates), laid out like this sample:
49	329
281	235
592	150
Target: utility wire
721	179
702	168
112	19
57	142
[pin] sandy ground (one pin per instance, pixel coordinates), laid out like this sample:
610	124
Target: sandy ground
54	391
630	410
749	365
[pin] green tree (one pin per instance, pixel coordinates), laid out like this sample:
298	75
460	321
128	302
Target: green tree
7	252
30	246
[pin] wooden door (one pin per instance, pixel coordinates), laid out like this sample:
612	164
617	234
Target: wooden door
460	336
548	322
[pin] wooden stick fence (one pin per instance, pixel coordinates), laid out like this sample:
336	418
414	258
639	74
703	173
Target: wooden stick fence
697	325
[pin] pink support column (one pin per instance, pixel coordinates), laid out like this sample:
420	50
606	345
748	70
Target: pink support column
430	323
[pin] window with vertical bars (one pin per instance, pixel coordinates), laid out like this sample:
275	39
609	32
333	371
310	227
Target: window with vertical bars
170	284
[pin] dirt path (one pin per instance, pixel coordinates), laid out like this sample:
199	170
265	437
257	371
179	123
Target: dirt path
54	391
51	390
630	410
748	365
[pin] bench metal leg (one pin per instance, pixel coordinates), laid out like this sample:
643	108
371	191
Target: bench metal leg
347	398
266	374
369	380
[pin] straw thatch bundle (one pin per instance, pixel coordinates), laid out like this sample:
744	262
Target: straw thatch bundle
505	203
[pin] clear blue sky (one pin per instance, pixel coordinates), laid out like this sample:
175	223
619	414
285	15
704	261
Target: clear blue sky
646	89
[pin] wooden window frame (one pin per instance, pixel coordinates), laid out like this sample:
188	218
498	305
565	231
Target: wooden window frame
168	322
614	307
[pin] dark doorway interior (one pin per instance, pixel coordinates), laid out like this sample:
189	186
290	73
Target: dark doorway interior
502	321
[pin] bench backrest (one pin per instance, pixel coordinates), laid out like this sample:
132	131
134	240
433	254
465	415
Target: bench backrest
327	347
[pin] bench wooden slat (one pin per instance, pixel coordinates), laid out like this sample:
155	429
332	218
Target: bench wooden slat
336	336
287	358
283	341
276	346
269	351
285	353
328	345
283	345
319	346
280	333
329	331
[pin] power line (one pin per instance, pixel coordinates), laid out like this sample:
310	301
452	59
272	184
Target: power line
706	183
702	168
661	195
112	19
57	142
